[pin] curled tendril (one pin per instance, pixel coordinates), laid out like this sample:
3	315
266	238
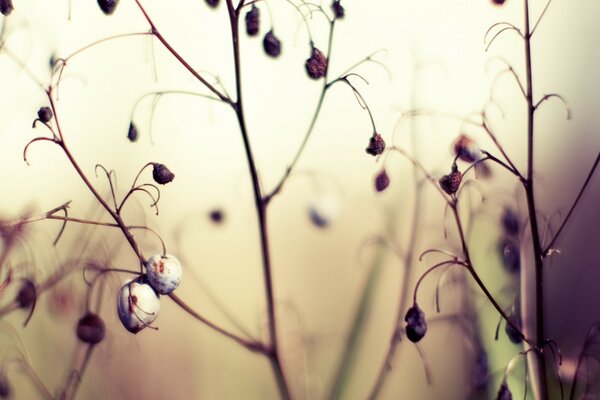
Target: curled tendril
504	26
37	139
109	176
555	96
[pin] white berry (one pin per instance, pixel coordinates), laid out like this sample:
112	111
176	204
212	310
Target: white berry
164	273
138	305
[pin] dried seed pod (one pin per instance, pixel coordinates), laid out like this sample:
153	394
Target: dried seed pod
376	145
316	65
323	210
132	133
498	2
510	254
90	329
504	392
466	149
45	114
5	389
338	10
138	304
6	7
272	44
510	222
512	334
216	216
416	326
161	174
108	6
253	21
27	295
382	181
451	182
164	273
480	371
212	3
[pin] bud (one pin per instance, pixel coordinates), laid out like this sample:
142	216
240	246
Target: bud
161	174
253	21
338	10
504	392
382	181
132	133
466	149
212	3
108	6
451	182
138	305
272	45
27	294
376	145
6	7
45	114
164	273
90	329
316	65
416	326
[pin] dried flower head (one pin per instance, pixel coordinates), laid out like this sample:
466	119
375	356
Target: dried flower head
45	114
382	181
161	174
108	6
132	133
6	7
338	9
451	182
90	329
253	21
416	326
466	149
316	65
272	44
138	304
376	145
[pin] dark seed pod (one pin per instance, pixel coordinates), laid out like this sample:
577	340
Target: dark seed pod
161	174
338	10
382	181
271	44
27	294
509	252
512	334
498	2
376	145
6	7
5	389
108	6
132	133
416	326
451	182
253	21
216	216
480	374
212	3
90	329
466	149
316	65
510	222
45	114
504	392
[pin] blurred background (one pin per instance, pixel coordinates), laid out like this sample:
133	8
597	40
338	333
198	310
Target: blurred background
332	283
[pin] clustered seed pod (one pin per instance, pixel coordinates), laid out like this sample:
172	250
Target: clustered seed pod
90	329
466	149
212	3
416	326
323	210
45	114
138	304
382	181
108	6
272	44
6	7
338	10
164	273
132	133
512	334
451	182
27	295
161	174
376	145
316	65
509	252
504	392
253	21
510	222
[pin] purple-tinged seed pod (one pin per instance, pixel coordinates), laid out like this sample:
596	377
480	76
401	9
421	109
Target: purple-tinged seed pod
416	326
272	44
382	181
161	174
512	334
510	222
216	216
132	133
164	273
498	2
212	3
138	304
376	145
316	64
253	21
27	295
338	9
108	6
45	114
6	7
5	389
90	329
509	252
504	392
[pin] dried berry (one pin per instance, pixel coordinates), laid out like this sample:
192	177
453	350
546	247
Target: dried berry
253	21
164	273
504	392
272	45
27	294
161	174
45	114
132	133
316	65
451	182
509	252
466	149
138	305
90	329
382	181
108	6
376	145
510	222
6	7
338	10
416	326
512	334
323	210
212	3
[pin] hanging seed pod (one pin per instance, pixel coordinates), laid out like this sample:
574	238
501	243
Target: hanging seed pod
132	133
253	21
510	222
451	182
27	295
466	149
212	3
108	6
138	305
504	392
382	181
376	145
338	10
416	326
164	273
5	389
316	65
161	174
6	7
498	2
272	45
480	372
216	216
510	255
90	329
45	114
512	334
